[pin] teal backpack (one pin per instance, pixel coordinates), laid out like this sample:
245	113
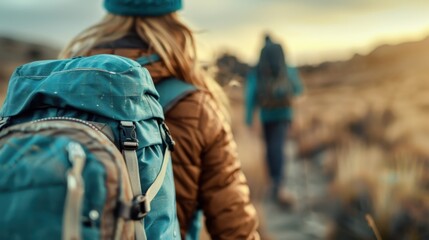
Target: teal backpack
84	153
274	89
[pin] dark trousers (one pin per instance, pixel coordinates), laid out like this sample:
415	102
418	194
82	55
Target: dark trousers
275	139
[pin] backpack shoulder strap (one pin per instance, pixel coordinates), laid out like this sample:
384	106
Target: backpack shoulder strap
172	90
145	60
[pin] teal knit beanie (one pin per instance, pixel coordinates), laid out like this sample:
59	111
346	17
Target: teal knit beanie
142	8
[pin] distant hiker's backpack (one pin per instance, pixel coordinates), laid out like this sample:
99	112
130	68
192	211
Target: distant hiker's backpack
273	86
84	153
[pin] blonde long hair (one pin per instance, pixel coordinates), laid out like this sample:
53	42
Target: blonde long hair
166	35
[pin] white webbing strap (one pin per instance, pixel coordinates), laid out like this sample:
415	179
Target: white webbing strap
131	161
133	170
157	183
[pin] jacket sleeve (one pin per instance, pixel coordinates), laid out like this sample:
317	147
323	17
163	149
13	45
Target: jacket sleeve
250	95
295	79
224	192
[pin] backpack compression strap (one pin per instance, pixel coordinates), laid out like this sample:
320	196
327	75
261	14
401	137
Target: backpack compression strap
140	206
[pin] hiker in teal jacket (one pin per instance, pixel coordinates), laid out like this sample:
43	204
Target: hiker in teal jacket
270	115
275	122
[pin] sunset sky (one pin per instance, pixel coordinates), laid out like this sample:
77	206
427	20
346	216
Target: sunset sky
311	30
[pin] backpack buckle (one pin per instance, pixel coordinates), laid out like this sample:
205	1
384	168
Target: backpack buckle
139	207
136	210
167	137
3	122
128	136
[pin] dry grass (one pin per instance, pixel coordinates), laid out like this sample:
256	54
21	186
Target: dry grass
392	191
372	120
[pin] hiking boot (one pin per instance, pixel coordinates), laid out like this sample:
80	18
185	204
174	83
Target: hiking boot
285	199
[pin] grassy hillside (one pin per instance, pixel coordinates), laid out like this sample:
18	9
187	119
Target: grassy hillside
369	118
380	99
17	52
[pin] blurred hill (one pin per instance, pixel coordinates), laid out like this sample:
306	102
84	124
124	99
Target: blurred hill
359	69
366	118
229	68
380	98
15	52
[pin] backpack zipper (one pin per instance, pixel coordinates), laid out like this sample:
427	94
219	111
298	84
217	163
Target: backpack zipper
68	119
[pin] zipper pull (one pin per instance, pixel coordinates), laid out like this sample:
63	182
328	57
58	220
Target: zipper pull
75	191
77	156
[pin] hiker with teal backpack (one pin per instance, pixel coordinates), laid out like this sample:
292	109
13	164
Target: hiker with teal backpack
208	176
271	86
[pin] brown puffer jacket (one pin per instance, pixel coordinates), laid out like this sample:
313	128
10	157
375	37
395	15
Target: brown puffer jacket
206	168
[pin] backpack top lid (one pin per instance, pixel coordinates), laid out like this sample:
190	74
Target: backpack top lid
107	85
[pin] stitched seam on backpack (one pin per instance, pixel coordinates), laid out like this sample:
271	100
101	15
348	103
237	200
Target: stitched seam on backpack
78	69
